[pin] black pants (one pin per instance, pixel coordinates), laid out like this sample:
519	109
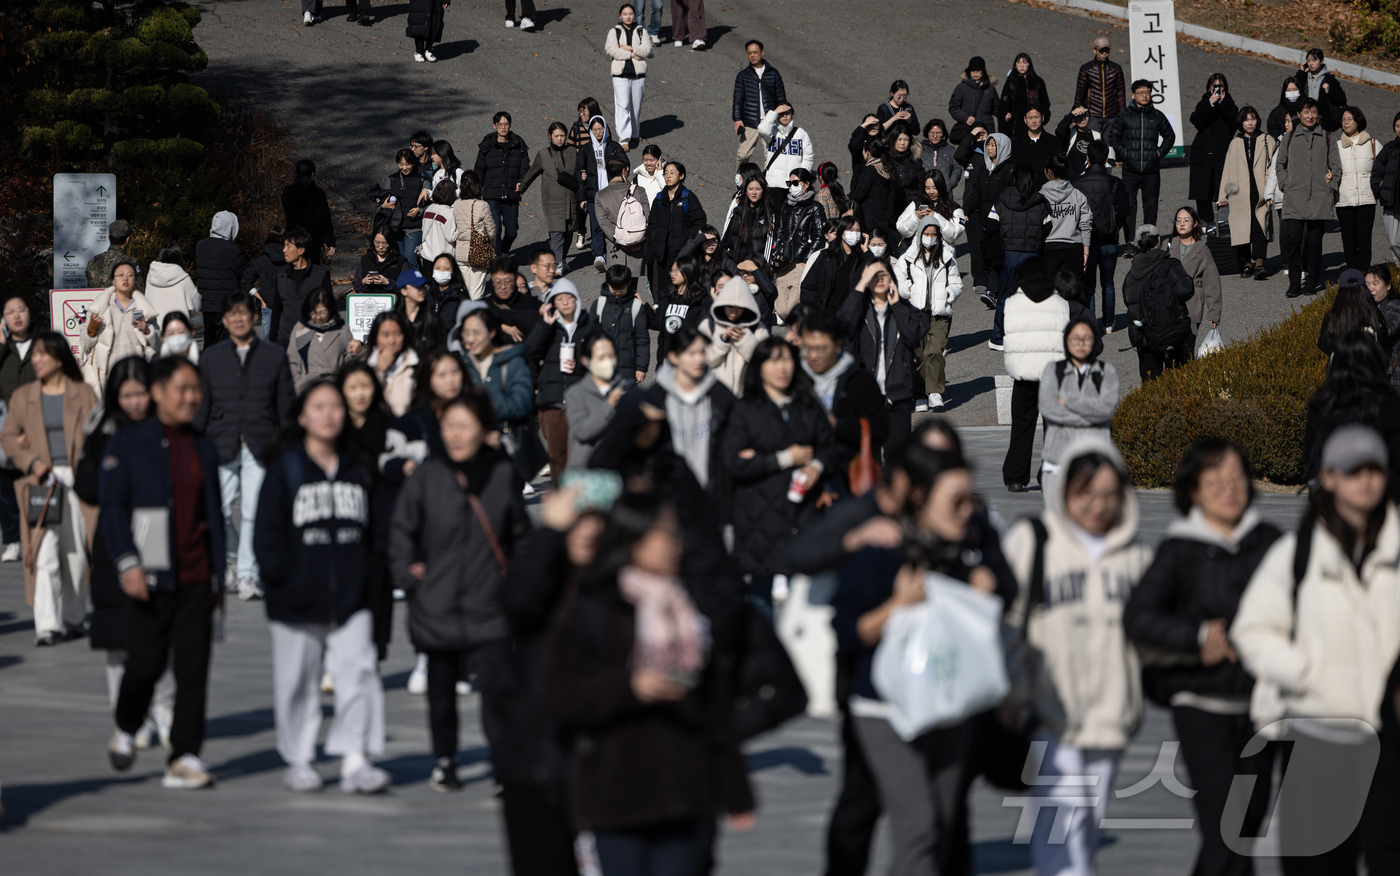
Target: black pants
9	505
444	670
664	850
1150	185
537	830
1064	256
1211	745
1152	362
901	425
980	272
527	9
214	327
361	8
1357	223
1258	246
175	629
1302	249
1379	837
421	45
1025	407
851	829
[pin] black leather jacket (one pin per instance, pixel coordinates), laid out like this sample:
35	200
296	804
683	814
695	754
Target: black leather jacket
797	232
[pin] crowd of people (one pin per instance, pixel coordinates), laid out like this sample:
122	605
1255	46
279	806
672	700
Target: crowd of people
750	419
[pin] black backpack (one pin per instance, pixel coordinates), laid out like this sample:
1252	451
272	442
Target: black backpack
1165	323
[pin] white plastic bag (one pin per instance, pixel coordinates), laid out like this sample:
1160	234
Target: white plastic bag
941	662
804	628
1212	342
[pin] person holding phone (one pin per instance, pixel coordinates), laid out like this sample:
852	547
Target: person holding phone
118	326
1216	118
552	349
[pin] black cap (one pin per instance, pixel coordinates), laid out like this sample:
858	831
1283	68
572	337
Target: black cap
976	64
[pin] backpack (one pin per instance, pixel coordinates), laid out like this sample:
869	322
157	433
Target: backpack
602	301
631	222
1165	322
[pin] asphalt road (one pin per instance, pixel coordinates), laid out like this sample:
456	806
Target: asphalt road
353	95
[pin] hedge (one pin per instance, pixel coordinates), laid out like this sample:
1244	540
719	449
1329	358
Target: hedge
1254	392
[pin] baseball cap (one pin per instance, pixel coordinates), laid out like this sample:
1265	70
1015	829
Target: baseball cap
119	229
1351	447
1351	277
411	277
1147	229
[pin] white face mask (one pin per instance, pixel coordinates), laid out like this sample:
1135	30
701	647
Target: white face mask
1292	96
602	368
441	277
738	181
753	288
929	242
877	251
178	344
795	189
852	238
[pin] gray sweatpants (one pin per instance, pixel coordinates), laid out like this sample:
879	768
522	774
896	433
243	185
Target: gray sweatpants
918	785
1391	221
351	660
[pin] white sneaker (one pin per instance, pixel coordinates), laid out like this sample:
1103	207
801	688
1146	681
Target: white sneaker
993	345
249	589
510	23
11	554
527	490
307	19
399	595
327	683
542	473
526	24
430	56
301	779
145	737
698	44
921	406
465	689
365	780
121	751
188	773
935	401
418	678
418	57
599	265
678	43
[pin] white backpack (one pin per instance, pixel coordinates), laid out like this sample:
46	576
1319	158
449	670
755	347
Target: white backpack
631	222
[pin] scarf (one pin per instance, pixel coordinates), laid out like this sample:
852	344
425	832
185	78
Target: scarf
805	196
824	385
672	637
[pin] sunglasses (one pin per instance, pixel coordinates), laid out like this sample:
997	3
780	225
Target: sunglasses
1102	50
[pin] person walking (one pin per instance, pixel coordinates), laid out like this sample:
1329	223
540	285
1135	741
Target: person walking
555	167
688	23
1215	118
43	438
928	279
439	223
590	403
1024	90
119	325
551	348
312	538
1022	213
379	267
1351	161
320	343
886	334
405	198
974	102
260	277
733	331
1100	87
788	146
158	482
1314	80
305	206
611	206
898	110
219	266
1035	337
1189	247
476	235
629	45
758	88
1076	135
1242	184
16	369
1108	203
169	287
245	394
295	284
502	160
1184	607
592	167
938	153
1155	293
425	20
989	156
1141	136
1070	236
675	217
1304	181
1385	185
1078	394
797	235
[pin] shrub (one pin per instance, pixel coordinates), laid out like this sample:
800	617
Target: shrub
1377	27
1254	392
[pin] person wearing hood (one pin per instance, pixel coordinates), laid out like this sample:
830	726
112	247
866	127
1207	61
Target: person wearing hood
502	160
698	409
120	324
1353	157
1024	90
1216	118
1242	184
974	101
1155	293
1385	185
985	182
1317	625
1022	218
320	342
219	266
624	319
1141	136
304	205
1078	394
597	153
169	287
552	350
1035	337
733	332
797	234
933	200
295	282
1314	80
1073	667
938	152
928	279
1108	203
789	146
885	333
1071	231
1189	248
1034	146
1183	609
628	45
1100	87
590	403
1304	180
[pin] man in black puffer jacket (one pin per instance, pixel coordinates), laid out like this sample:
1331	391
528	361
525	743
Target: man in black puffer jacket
758	88
247	386
218	270
1133	136
1108	201
502	160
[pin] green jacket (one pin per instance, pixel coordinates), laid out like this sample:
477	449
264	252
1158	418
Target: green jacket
99	270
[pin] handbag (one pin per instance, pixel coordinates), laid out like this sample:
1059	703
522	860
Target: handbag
864	470
481	249
46	507
767	689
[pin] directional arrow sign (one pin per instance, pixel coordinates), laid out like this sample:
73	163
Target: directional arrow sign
102	190
83	206
68	256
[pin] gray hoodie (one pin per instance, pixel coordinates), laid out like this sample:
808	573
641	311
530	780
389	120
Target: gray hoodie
225	226
1071	220
688	414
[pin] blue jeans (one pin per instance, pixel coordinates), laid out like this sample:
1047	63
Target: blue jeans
1011	260
241	481
266	322
596	239
408	248
506	215
654	28
648	851
1103	260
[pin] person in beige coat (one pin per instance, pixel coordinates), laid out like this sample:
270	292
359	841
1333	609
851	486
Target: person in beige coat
733	331
43	437
1074	670
1189	247
121	322
1242	184
472	213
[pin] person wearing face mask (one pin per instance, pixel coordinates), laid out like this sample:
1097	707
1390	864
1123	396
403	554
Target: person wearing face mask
928	279
886	331
446	290
552	349
177	338
829	280
789	146
985	182
798	234
590	403
1288	98
320	342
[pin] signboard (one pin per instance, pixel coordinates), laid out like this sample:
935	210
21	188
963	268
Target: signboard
84	204
1152	32
68	312
361	309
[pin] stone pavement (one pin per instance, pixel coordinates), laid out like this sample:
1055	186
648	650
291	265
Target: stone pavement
68	813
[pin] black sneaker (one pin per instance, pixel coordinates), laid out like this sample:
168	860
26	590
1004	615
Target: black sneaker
367	21
989	300
1294	291
1128	251
47	640
121	751
353	17
444	777
1310	288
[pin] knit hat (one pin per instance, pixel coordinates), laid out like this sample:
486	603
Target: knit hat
976	64
411	277
562	286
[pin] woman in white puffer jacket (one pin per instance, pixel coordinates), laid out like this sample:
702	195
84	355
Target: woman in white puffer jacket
169	286
1353	153
934	201
928	278
1034	325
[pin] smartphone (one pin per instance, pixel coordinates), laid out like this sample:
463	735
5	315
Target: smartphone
373	274
137	316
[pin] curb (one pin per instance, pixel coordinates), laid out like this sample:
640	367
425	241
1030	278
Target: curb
1235	41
